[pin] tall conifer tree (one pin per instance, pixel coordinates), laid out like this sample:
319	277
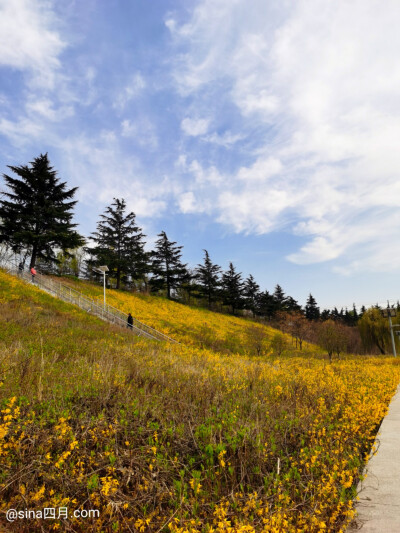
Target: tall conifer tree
207	275
168	270
279	298
120	243
232	287
312	310
266	305
251	291
37	212
292	305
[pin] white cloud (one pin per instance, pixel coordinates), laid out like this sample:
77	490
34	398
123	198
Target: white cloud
195	127
261	170
227	139
316	251
29	40
142	131
45	108
318	83
103	172
133	89
203	179
22	131
187	203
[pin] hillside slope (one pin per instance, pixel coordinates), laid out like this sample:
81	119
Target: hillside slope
176	438
189	325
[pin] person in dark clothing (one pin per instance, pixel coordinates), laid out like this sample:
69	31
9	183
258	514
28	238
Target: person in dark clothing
20	268
129	322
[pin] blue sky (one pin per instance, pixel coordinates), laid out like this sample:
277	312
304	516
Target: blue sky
266	132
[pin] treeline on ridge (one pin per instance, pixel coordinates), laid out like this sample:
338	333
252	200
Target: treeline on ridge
36	222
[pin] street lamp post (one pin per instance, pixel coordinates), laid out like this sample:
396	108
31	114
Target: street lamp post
389	312
102	270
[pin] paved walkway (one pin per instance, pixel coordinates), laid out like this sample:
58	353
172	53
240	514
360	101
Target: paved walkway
379	494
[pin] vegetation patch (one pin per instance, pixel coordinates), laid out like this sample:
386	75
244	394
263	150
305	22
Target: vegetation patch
178	438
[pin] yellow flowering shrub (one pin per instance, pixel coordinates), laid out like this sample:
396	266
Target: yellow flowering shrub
177	438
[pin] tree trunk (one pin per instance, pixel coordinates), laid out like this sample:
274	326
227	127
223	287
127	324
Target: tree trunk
33	257
118	277
380	348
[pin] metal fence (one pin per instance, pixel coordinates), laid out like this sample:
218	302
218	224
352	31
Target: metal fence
91	305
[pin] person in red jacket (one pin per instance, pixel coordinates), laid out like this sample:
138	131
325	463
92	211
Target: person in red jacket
33	272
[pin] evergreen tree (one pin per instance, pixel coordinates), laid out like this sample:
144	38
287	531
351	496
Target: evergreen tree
326	314
335	314
188	286
312	310
232	286
37	212
292	305
266	305
279	298
251	290
207	275
168	270
347	318
119	243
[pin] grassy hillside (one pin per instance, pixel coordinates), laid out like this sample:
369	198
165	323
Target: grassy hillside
188	325
175	438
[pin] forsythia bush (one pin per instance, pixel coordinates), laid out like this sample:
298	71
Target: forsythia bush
176	438
191	326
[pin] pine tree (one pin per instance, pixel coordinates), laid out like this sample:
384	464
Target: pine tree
292	305
355	316
120	243
335	314
347	318
232	286
168	270
312	310
265	304
326	314
251	290
207	275
189	286
36	214
279	298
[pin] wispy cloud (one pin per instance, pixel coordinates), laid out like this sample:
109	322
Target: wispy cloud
21	131
227	139
45	108
132	89
103	172
195	127
141	130
29	40
324	78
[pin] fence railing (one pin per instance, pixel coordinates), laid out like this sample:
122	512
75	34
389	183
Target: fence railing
91	305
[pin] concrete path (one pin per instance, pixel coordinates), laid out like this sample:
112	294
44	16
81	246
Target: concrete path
378	507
